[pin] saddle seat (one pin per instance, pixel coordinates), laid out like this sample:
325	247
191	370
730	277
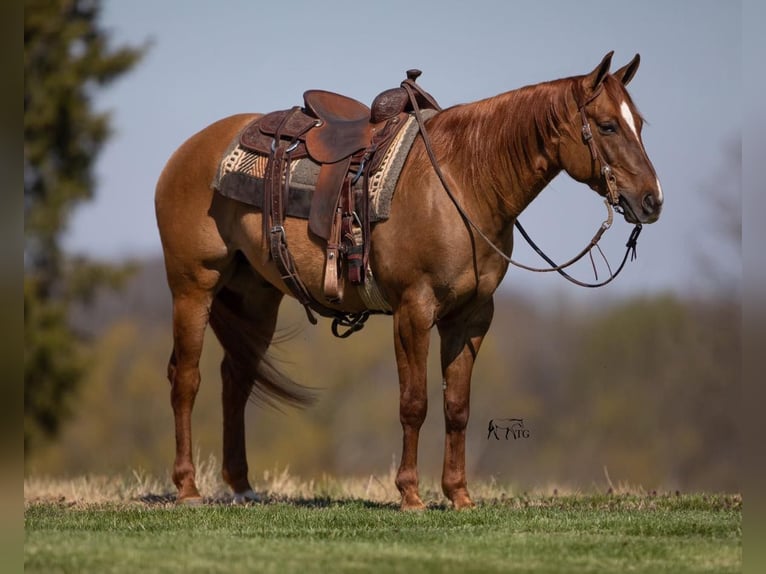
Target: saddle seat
329	128
343	129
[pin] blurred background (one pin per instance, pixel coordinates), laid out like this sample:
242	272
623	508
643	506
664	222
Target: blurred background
641	377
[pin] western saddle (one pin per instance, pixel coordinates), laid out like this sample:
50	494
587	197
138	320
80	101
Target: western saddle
348	140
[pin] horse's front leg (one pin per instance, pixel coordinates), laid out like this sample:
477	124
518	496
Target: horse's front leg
461	338
412	326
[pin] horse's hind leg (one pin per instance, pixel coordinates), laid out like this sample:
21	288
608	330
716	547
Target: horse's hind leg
237	386
461	337
244	323
190	317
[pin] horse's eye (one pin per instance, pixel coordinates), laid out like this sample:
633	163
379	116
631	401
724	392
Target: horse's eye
607	128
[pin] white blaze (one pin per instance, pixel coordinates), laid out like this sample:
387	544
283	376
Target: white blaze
628	115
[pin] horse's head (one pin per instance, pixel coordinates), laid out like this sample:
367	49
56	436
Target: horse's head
601	143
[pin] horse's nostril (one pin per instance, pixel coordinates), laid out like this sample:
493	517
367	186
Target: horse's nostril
649	203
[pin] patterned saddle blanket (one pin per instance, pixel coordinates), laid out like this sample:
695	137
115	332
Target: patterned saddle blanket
241	174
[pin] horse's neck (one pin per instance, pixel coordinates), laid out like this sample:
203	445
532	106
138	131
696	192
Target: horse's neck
502	153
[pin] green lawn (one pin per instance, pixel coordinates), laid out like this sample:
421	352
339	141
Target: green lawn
577	533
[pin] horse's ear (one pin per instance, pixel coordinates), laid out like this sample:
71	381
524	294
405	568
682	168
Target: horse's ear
594	79
626	73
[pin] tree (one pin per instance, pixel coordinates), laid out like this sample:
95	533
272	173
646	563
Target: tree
67	57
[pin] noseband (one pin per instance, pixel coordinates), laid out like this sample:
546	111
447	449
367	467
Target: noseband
612	201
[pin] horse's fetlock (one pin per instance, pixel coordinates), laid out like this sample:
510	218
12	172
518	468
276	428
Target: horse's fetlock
406	480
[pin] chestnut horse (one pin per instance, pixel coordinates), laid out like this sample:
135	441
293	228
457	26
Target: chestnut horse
495	156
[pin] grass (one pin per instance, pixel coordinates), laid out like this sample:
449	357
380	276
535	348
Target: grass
128	525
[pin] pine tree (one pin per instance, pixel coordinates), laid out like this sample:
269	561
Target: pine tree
67	58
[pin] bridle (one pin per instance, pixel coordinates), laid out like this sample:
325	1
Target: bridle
612	195
612	202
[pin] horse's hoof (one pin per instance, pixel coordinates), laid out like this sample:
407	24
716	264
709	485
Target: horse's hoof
464	504
246	497
191	501
461	500
414	504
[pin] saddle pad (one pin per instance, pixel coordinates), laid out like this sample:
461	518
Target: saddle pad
240	175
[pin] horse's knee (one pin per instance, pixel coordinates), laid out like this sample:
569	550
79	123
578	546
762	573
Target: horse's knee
413	411
456	415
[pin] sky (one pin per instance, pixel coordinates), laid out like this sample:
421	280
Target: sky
208	60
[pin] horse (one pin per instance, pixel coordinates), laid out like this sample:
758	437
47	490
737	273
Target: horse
495	156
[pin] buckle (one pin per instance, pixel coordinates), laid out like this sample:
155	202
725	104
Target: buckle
289	148
587	134
612	194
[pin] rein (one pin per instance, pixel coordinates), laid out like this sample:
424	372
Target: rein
612	200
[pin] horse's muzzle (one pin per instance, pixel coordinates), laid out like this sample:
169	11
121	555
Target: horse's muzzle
648	211
651	207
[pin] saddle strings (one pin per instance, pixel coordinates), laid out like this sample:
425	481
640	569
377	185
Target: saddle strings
630	245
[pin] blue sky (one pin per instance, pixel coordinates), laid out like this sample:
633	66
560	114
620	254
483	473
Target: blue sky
213	59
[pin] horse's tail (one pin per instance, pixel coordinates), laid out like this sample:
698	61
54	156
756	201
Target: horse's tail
246	339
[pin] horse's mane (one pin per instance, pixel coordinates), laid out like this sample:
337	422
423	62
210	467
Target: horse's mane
499	137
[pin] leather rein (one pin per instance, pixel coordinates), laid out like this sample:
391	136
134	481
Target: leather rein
612	202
